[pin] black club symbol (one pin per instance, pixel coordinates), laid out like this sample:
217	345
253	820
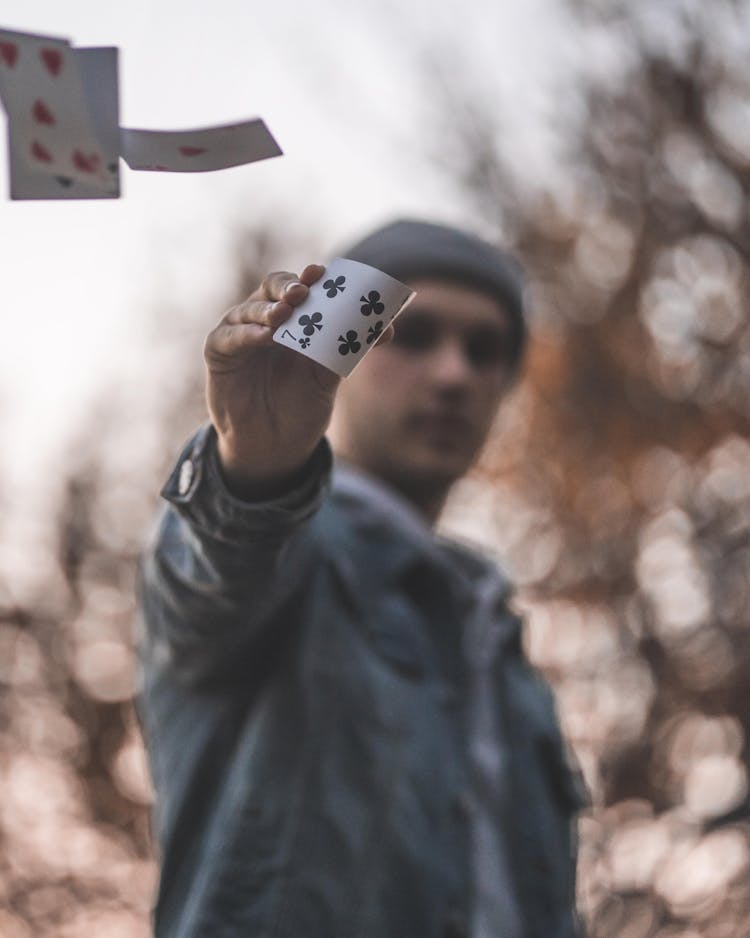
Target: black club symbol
371	304
303	342
332	287
374	331
349	343
311	323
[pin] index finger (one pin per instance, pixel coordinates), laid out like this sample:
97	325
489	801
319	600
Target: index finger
290	288
281	285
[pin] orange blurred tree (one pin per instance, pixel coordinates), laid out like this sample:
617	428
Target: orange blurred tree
622	472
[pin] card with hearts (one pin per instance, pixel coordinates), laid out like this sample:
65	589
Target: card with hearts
344	315
98	70
198	151
64	137
48	115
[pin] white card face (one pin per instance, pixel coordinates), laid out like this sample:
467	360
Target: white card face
48	114
198	151
344	314
98	70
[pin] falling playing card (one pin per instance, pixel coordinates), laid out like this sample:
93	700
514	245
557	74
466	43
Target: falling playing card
63	135
344	315
98	70
48	116
198	151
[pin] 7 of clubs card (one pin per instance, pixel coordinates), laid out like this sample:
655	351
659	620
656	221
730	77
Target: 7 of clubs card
344	315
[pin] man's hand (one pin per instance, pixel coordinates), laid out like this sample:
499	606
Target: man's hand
269	405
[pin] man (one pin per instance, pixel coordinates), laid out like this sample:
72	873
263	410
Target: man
346	740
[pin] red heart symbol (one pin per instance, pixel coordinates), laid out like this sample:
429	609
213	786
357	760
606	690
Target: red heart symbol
52	59
39	152
9	53
42	114
86	163
191	151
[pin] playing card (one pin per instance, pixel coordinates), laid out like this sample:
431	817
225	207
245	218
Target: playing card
344	314
48	116
198	151
98	69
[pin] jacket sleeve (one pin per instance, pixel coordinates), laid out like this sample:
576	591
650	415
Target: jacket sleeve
221	569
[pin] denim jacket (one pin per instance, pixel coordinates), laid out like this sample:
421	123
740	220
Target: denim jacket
306	703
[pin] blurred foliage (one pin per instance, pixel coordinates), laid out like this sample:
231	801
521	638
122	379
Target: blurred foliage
619	480
617	490
76	856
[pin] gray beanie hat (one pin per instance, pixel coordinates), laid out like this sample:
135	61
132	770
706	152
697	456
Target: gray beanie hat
409	249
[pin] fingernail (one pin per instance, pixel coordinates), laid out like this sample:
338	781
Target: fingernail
290	286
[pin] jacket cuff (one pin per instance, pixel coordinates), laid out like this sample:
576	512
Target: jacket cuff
196	488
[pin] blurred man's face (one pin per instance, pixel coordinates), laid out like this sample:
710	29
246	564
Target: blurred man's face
416	411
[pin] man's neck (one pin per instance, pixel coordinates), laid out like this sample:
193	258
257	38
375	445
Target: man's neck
429	504
427	500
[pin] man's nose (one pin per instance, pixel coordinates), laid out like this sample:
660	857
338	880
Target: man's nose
450	365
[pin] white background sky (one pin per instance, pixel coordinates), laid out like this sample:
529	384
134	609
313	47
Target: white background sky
335	81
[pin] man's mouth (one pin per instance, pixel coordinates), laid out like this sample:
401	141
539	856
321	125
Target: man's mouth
447	425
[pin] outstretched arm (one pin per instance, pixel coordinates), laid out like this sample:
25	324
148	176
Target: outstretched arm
231	545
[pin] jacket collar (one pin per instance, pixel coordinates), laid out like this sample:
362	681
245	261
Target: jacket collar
408	554
381	513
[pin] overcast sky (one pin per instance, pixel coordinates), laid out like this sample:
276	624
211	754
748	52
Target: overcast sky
335	81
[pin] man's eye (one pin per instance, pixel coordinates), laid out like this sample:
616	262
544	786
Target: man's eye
415	336
487	347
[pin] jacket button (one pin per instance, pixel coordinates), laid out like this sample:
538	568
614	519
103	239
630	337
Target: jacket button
456	926
187	471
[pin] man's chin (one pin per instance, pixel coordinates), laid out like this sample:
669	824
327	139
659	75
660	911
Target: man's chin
437	467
